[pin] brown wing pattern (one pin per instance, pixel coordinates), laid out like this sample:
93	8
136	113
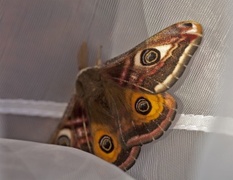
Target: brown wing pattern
157	63
122	105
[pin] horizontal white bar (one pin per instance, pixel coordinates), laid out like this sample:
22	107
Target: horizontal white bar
190	122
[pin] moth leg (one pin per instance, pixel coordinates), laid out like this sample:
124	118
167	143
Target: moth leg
82	57
99	54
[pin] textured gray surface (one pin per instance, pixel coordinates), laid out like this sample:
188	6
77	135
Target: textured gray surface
26	161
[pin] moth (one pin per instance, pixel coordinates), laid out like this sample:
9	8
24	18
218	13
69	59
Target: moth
123	104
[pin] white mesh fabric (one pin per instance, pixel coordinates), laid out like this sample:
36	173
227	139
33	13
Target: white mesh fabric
38	47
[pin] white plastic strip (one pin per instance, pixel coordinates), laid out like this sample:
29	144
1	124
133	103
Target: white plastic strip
56	110
32	108
194	122
222	125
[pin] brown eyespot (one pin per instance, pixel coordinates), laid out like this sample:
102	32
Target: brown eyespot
143	106
150	56
63	140
106	144
64	137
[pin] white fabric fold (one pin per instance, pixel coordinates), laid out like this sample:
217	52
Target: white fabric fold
32	108
36	161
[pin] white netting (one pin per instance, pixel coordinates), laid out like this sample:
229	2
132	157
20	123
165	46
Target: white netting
38	47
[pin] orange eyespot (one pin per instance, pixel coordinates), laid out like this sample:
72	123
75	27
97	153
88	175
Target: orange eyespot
143	106
150	56
106	144
146	106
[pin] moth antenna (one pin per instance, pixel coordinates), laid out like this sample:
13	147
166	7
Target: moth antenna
99	54
82	57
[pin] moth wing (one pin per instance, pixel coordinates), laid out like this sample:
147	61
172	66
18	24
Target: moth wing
73	129
142	117
157	63
106	136
94	130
